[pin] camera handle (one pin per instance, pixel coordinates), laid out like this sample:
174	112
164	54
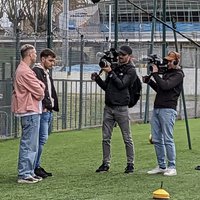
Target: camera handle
100	72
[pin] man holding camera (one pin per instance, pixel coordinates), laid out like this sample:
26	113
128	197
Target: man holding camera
168	87
117	97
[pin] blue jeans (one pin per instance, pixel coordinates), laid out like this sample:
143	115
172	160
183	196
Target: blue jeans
45	128
28	145
119	114
162	127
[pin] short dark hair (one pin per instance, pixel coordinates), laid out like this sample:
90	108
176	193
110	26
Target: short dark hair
25	48
47	52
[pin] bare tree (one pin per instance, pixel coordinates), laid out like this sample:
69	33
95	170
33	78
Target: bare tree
1	8
75	4
32	12
27	11
36	12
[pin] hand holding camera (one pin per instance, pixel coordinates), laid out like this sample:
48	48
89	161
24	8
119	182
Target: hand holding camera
146	79
94	75
154	68
107	68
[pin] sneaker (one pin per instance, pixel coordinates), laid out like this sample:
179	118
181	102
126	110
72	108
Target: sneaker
157	170
170	172
129	169
197	167
28	180
39	172
37	178
48	173
103	168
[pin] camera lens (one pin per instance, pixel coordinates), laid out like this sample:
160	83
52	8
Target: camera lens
103	63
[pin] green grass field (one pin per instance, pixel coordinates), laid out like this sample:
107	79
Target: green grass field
74	156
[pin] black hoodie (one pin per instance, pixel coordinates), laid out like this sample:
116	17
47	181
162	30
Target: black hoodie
116	85
168	88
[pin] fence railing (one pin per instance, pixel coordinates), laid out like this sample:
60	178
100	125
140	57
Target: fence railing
77	109
81	105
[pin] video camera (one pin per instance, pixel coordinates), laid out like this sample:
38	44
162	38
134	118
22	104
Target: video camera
159	62
108	58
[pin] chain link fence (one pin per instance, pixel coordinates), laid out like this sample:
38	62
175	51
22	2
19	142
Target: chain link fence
81	100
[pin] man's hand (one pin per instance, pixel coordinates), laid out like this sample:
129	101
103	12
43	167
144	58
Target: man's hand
146	79
94	76
107	69
154	69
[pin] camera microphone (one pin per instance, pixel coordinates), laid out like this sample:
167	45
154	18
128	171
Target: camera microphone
146	59
99	55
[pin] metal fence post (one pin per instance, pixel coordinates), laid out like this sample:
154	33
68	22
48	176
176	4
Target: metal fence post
146	115
196	83
81	85
49	24
3	71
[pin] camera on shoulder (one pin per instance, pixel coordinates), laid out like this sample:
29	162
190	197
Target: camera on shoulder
108	58
158	61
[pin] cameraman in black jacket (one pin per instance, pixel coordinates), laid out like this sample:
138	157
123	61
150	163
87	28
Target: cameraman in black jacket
168	87
116	106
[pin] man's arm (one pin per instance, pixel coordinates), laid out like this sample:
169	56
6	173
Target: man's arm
128	77
102	84
171	82
126	81
33	85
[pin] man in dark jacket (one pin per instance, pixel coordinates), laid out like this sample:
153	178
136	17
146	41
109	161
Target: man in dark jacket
168	87
49	103
117	99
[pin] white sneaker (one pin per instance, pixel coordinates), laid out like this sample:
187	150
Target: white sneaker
157	170
38	178
170	172
28	180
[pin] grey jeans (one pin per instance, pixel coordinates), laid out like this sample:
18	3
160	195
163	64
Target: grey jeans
119	114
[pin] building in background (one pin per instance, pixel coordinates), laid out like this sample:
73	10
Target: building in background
132	22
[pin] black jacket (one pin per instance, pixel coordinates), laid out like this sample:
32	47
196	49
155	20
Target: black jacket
46	102
168	88
116	85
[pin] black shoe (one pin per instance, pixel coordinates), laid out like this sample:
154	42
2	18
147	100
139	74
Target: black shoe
129	168
197	167
39	172
48	173
103	168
